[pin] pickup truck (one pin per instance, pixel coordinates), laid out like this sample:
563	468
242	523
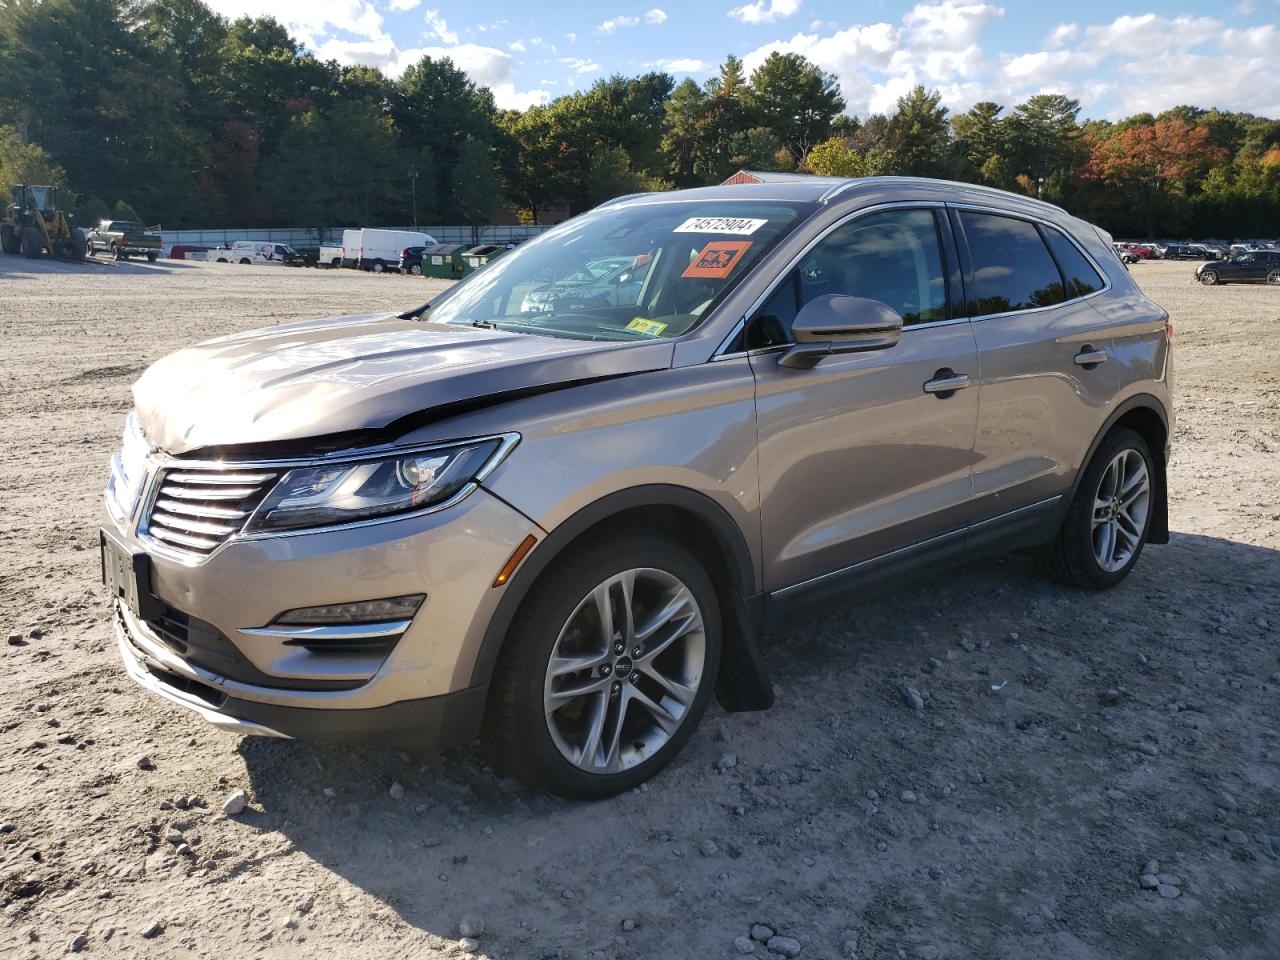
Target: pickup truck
124	239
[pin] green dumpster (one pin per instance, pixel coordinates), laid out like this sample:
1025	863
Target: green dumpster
477	257
445	261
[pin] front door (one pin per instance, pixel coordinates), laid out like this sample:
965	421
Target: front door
862	455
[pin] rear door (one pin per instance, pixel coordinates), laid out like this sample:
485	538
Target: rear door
860	456
1046	384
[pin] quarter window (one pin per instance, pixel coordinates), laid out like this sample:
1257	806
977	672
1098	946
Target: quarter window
1079	277
1012	269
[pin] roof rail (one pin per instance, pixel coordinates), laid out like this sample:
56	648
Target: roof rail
849	184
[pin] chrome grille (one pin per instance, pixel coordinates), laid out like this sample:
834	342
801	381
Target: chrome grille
196	511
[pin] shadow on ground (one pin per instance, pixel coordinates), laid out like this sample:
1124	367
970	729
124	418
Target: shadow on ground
1067	739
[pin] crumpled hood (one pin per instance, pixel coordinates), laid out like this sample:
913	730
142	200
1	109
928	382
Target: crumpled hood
355	373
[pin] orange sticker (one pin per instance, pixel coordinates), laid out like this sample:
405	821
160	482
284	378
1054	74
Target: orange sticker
717	259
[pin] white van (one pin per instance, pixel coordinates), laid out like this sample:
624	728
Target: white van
381	249
256	251
351	247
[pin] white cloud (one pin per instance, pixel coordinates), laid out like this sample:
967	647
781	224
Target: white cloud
765	11
609	26
311	20
438	28
655	16
517	46
684	65
404	4
571	37
1062	34
949	25
580	65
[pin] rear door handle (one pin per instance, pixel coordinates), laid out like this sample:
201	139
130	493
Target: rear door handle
946	382
1089	357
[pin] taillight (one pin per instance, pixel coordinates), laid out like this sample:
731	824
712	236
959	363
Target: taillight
1168	330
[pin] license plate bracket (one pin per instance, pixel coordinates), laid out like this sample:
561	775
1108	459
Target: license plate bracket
127	575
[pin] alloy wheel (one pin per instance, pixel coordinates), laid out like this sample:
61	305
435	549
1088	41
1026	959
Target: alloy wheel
1209	278
1273	278
625	670
1120	509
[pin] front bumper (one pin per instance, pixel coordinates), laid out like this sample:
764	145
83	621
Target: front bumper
426	723
418	692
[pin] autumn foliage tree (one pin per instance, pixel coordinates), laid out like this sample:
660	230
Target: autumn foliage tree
1151	164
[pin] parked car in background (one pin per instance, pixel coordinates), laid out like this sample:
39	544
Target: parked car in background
187	251
258	251
123	239
1207	251
1255	266
330	255
1126	255
380	250
577	521
1188	251
411	260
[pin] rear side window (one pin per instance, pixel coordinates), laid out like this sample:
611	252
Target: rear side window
1078	274
1012	269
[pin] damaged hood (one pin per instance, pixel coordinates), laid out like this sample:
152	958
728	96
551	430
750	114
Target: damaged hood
356	373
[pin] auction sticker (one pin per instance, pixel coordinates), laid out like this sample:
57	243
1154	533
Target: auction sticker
717	259
737	226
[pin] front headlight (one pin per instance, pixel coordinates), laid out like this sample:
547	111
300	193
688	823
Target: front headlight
325	495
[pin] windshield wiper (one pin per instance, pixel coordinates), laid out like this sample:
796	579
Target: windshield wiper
484	324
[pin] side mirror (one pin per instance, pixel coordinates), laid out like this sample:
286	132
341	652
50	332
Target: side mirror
834	323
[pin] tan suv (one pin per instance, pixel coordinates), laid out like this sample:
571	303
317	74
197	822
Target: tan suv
561	503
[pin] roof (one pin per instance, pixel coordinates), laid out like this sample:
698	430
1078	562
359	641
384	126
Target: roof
806	188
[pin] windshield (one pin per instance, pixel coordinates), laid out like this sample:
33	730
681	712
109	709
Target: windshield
630	272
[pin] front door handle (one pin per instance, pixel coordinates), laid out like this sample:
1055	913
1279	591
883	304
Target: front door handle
946	382
1089	357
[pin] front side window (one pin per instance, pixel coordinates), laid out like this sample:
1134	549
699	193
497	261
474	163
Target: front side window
894	257
632	272
1012	268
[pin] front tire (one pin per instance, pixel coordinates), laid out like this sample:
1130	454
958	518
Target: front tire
10	242
1110	516
32	242
608	666
1209	278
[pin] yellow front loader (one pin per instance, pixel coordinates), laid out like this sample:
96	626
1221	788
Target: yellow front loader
33	225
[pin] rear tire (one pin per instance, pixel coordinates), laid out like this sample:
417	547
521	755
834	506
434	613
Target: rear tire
32	242
637	696
1110	516
10	242
152	257
245	260
1273	278
416	269
378	266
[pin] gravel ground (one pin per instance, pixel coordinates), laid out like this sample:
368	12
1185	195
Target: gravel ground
1090	776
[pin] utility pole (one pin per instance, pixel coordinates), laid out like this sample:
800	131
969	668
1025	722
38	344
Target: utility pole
413	182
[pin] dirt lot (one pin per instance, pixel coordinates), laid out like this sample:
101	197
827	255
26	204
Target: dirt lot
1066	741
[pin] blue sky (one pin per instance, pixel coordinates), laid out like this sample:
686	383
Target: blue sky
1116	58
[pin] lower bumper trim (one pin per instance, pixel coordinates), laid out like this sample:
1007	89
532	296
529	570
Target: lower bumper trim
430	723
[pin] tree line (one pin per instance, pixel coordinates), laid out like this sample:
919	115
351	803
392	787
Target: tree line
167	112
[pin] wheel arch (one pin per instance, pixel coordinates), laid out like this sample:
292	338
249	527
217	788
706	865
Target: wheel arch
1146	415
692	519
